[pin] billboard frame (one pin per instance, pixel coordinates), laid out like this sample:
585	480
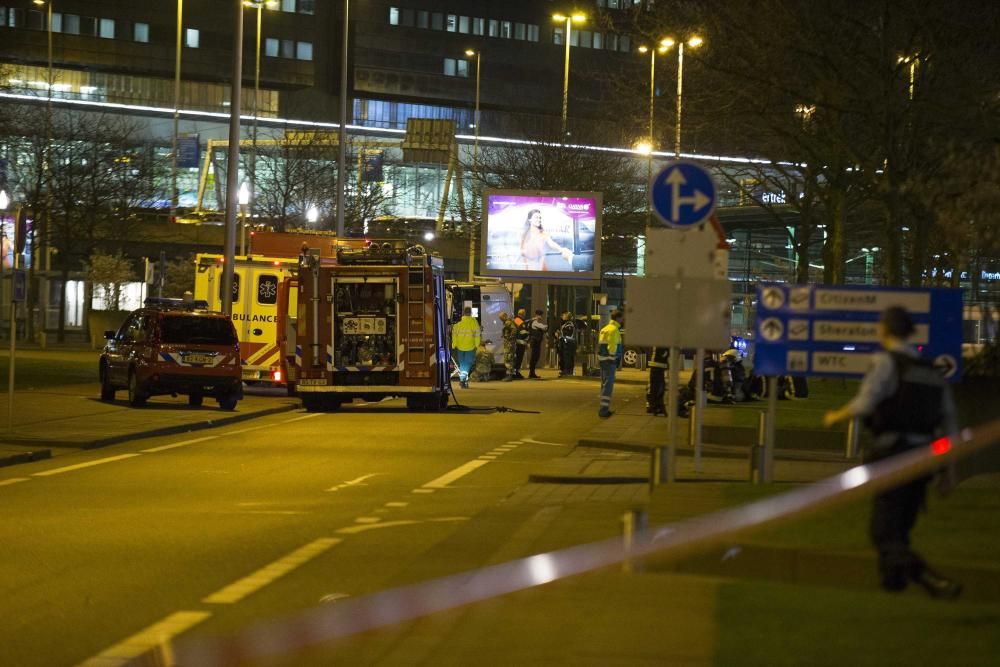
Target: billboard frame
592	277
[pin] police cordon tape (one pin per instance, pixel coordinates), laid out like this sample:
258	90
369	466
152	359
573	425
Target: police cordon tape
283	638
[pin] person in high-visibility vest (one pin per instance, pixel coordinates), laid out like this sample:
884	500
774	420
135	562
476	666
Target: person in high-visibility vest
465	341
609	355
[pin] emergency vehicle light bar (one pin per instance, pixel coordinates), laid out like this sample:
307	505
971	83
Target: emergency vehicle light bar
175	304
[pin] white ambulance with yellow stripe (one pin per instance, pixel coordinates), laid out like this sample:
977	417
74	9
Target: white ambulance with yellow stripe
264	308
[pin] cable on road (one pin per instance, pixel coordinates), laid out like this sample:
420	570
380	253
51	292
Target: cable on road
458	407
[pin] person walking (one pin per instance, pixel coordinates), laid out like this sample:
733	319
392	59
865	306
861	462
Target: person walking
465	337
906	403
509	335
659	362
609	355
566	345
522	342
536	334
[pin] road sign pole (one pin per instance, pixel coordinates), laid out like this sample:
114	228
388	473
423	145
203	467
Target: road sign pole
699	401
13	332
767	474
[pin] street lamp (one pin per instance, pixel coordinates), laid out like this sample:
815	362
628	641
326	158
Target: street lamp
646	147
178	45
233	162
312	215
913	62
259	5
342	128
475	162
694	42
570	19
244	199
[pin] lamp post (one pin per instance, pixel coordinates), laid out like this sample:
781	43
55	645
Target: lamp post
244	199
259	5
693	42
647	147
575	17
475	163
342	129
233	162
178	46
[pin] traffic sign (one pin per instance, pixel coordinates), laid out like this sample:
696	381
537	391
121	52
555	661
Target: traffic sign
833	330
683	194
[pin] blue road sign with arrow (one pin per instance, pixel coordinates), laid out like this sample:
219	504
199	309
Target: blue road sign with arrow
832	330
683	194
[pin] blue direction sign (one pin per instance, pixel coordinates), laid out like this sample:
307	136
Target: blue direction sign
683	194
832	330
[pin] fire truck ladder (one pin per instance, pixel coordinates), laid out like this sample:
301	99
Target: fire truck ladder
416	333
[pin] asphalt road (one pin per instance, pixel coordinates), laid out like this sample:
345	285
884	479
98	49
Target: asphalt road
222	528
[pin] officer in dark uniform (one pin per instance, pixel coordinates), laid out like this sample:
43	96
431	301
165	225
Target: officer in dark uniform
906	403
659	361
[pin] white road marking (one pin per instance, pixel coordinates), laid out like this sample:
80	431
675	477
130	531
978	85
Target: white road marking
184	443
238	590
246	430
8	482
298	419
513	442
396	504
147	640
354	482
487	458
531	441
461	471
422	491
367	519
354	530
333	597
88	464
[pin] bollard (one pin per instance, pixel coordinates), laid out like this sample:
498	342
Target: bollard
661	466
851	450
634	525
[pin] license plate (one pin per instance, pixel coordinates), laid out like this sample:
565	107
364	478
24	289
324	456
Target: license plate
312	382
251	375
198	359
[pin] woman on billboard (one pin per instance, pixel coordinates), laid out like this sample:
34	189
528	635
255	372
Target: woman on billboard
535	242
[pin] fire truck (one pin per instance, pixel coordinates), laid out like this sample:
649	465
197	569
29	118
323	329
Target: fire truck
264	299
373	325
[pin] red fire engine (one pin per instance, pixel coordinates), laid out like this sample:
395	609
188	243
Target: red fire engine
372	325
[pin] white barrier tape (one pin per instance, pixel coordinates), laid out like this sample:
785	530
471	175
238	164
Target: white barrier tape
283	638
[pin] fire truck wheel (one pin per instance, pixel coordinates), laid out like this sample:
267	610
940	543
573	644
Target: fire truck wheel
228	402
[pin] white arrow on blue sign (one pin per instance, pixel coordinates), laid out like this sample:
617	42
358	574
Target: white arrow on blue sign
683	194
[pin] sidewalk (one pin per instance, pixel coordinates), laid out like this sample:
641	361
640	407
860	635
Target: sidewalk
50	420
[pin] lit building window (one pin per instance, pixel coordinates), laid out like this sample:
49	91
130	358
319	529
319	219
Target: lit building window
449	66
494	28
586	39
532	32
192	38
423	19
288	5
304	51
56	21
558	36
140	32
452	22
271	47
598	40
107	29
287	48
394	16
71	24
437	21
462	68
463	25
506	29
478	26
519	31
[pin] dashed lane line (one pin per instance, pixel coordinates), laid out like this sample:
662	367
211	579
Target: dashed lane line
240	589
461	471
183	443
363	528
532	441
145	641
298	419
15	480
80	466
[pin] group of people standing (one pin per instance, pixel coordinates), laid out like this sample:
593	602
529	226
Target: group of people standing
525	336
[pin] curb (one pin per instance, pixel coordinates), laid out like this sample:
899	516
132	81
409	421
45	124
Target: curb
152	433
25	457
586	479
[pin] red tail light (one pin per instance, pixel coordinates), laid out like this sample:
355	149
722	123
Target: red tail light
276	376
941	446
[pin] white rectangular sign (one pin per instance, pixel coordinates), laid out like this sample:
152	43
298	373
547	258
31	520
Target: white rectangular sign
826	298
679	312
841	362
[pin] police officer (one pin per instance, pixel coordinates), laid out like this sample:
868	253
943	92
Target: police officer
609	355
522	342
659	362
905	403
566	344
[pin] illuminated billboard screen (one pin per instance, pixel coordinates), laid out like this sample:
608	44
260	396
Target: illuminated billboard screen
541	234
